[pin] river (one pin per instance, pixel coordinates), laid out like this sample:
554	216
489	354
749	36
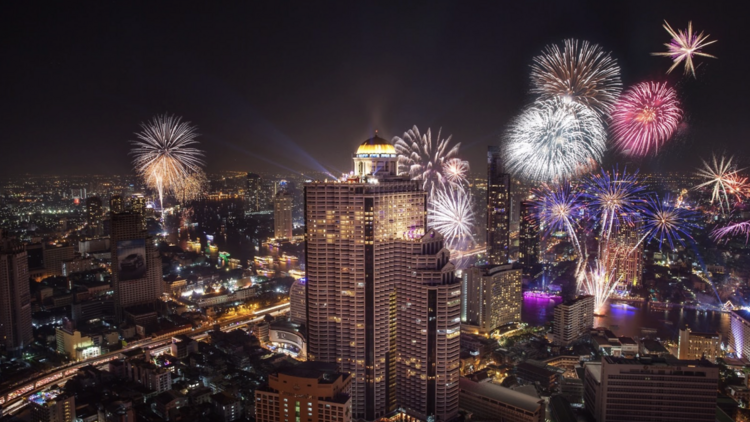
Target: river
628	320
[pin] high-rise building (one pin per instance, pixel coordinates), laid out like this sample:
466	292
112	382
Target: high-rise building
651	390
116	204
297	302
136	265
94	215
528	237
369	262
310	391
626	253
15	301
282	215
492	297
498	208
54	257
573	318
52	406
693	345
253	193
739	339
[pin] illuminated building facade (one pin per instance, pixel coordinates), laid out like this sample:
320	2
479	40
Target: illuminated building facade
627	254
369	262
694	345
573	318
739	340
254	195
15	301
52	406
528	237
311	391
492	297
282	215
298	302
498	209
116	204
94	215
136	264
651	389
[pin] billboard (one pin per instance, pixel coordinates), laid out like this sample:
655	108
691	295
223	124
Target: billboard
131	259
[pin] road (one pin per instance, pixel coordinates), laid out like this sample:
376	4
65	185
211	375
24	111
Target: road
12	398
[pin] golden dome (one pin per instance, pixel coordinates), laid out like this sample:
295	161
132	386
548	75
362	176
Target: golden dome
376	145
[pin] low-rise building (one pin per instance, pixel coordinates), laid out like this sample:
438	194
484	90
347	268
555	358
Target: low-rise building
491	402
694	345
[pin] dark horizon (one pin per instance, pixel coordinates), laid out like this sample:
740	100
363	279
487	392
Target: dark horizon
272	89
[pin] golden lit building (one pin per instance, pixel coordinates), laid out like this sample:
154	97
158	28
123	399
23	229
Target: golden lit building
282	215
492	297
694	346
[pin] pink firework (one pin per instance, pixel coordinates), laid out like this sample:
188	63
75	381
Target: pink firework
645	117
732	230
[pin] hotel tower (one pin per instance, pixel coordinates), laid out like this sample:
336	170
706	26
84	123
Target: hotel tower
382	298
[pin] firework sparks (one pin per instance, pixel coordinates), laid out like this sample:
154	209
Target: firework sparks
732	230
600	282
580	71
663	221
426	160
684	45
722	176
615	196
191	187
645	118
554	140
558	208
456	170
451	214
163	153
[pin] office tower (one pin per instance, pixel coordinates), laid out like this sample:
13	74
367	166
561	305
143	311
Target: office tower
739	338
370	262
136	265
94	214
651	389
15	308
491	402
116	204
492	297
54	257
253	192
626	253
310	391
528	237
297	302
573	318
52	406
282	215
138	204
498	209
694	345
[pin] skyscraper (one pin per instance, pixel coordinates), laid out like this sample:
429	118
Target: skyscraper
253	192
116	204
626	254
371	262
94	214
297	302
15	307
282	215
498	209
572	319
528	237
136	265
492	297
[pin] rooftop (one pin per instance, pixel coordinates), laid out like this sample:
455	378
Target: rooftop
376	145
500	394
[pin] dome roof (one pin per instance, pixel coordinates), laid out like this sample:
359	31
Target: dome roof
376	145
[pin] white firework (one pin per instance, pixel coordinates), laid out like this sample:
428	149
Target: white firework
163	153
721	175
554	140
600	282
425	159
450	212
456	170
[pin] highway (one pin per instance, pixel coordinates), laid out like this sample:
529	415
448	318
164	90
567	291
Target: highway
12	398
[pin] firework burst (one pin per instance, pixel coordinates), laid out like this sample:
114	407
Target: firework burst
722	176
663	221
163	153
452	215
645	118
426	160
684	45
554	140
191	187
455	171
580	71
732	230
559	208
600	282
615	198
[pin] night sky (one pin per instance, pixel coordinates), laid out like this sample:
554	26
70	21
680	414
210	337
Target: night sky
297	86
